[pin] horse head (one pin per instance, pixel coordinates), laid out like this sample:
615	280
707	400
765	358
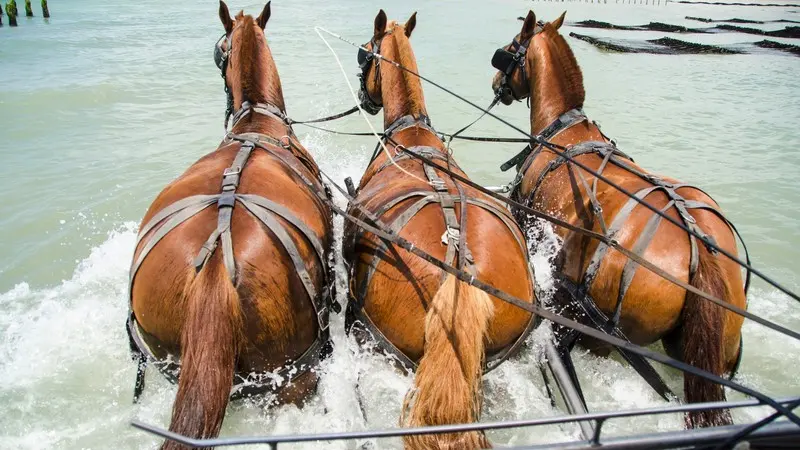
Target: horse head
514	62
245	61
387	86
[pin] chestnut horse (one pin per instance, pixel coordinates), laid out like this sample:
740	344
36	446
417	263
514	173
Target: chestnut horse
250	313
539	65
446	329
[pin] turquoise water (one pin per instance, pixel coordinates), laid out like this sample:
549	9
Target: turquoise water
107	102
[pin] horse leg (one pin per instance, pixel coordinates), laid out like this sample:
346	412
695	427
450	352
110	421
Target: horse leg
209	341
702	341
448	386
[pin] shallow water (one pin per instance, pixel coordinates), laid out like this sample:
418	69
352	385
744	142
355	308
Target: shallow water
110	100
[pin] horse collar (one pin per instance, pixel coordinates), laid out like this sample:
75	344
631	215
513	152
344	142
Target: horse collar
265	109
408	121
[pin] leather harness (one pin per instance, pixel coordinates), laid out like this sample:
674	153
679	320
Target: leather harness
454	237
268	213
579	290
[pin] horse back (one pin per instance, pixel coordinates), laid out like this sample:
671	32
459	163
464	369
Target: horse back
279	319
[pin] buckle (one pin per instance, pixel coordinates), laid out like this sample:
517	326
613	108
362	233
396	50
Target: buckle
322	319
439	184
230	178
451	234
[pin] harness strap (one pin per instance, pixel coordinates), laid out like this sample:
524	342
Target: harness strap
629	270
265	109
562	123
588	306
451	236
426	151
177	217
267	218
409	121
395	226
597	208
598	147
253	201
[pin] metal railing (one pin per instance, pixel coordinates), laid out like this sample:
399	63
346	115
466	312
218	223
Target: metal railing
782	430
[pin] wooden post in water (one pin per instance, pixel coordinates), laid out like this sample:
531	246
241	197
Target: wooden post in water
12	18
45	11
28	9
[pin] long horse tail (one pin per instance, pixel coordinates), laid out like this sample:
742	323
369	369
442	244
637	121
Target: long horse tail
702	336
209	342
448	387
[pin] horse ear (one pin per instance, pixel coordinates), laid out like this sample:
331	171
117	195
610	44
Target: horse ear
264	17
412	22
380	24
225	17
560	21
528	26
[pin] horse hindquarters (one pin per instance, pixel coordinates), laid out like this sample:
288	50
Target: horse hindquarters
209	342
702	340
448	379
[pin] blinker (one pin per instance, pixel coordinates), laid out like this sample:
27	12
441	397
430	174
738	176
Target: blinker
220	55
503	59
364	57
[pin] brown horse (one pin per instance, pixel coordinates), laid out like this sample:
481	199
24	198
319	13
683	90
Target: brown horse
539	65
447	330
251	311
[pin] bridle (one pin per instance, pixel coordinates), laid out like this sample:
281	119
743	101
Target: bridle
365	58
507	62
221	59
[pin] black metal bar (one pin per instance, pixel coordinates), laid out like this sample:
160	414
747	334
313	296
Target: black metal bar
698	438
569	392
397	432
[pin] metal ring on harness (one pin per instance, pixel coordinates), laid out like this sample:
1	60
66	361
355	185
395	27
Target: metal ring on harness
288	143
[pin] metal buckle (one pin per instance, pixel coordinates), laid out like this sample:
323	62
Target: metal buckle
324	322
452	234
228	172
439	184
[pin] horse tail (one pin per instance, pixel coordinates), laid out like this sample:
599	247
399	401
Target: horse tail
209	341
448	380
702	336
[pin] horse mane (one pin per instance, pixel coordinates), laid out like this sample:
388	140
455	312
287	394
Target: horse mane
249	68
562	61
258	83
405	54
